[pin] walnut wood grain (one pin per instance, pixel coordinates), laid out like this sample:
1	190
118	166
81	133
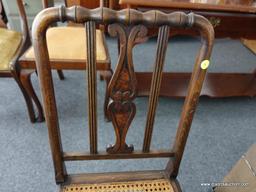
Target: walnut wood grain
245	6
189	107
92	85
216	85
122	87
156	84
231	19
130	26
85	3
115	177
79	156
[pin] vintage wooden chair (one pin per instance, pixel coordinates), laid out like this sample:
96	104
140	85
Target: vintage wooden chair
128	25
12	45
72	53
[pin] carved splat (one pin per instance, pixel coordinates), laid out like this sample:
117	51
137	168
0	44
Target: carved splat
122	87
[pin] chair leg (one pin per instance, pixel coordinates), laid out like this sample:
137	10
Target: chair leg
61	74
107	76
101	77
30	96
28	101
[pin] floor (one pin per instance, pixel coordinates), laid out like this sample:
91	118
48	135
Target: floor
223	129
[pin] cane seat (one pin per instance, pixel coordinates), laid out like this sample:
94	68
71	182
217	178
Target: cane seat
160	185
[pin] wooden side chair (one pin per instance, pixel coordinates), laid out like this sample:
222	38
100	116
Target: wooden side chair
128	25
67	50
12	45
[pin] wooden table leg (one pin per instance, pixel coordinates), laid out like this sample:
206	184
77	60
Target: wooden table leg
216	85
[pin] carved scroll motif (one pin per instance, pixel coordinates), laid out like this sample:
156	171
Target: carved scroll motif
122	87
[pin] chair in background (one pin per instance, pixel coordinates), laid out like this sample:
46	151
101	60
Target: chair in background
3	18
12	45
67	50
129	26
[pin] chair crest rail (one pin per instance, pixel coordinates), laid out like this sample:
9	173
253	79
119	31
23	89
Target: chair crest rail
106	16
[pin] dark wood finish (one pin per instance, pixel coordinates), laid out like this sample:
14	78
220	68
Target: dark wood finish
22	75
61	74
98	178
233	19
122	88
130	27
47	4
92	79
28	63
103	67
155	85
115	177
23	78
92	4
76	156
244	6
226	25
85	3
215	84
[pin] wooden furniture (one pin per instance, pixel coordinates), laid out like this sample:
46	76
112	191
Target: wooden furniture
230	18
88	4
250	44
32	7
12	45
113	4
68	52
129	26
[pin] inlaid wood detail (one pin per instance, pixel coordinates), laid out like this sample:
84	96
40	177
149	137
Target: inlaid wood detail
122	87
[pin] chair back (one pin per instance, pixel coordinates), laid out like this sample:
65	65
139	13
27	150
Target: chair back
25	41
129	26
